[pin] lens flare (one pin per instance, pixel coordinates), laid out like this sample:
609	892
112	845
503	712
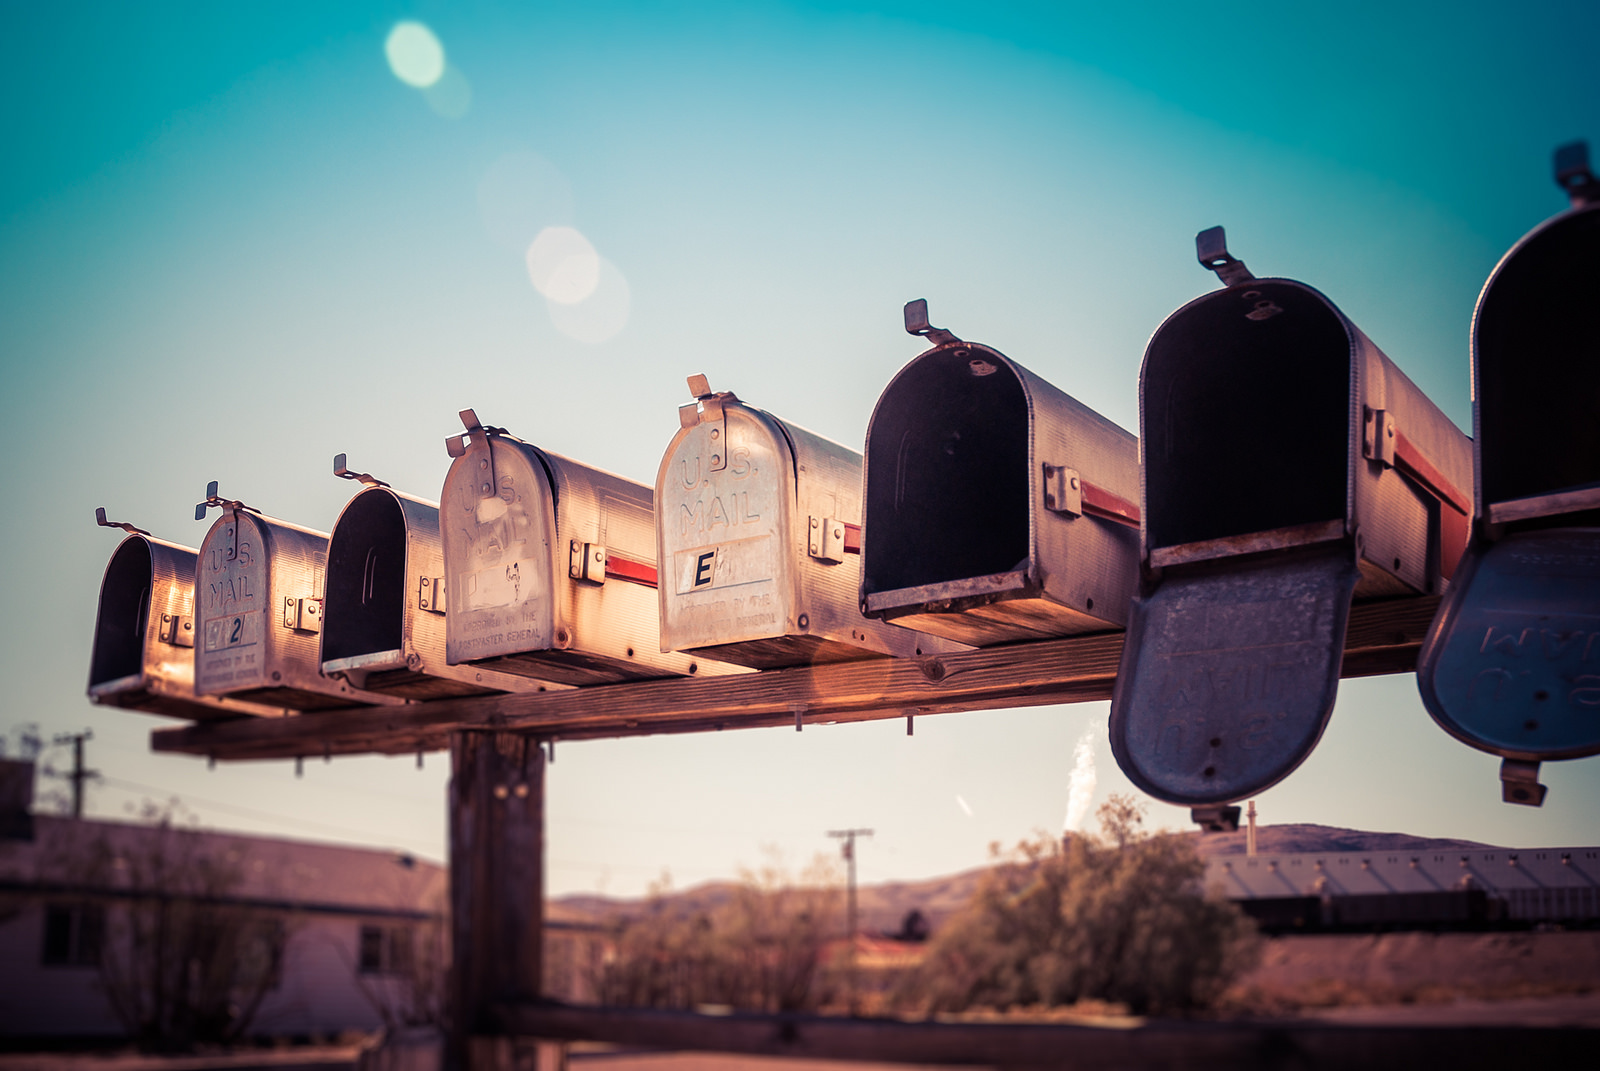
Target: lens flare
415	55
563	265
450	96
602	314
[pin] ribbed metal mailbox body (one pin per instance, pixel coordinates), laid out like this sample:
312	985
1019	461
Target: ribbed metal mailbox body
759	537
1289	467
259	612
550	566
1512	663
997	507
384	612
144	635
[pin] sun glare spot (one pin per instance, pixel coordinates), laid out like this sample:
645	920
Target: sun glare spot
602	314
450	96
563	265
415	55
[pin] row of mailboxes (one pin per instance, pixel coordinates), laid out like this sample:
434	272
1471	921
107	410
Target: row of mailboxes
1287	468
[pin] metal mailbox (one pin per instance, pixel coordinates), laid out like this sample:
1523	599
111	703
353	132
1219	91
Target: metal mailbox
550	566
1289	467
997	507
259	611
143	654
1512	663
383	625
759	537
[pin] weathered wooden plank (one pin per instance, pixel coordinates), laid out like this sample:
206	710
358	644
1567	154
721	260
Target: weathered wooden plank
1150	1045
1382	638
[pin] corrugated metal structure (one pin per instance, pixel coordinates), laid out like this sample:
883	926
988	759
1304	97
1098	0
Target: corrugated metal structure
1390	889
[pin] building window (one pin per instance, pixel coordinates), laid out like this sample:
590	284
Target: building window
72	935
385	949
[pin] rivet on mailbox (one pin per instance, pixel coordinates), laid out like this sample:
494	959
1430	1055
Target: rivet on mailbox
550	566
259	612
997	507
1511	665
143	655
1289	467
759	532
384	623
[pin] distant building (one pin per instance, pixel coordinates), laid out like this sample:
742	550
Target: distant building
1455	887
109	928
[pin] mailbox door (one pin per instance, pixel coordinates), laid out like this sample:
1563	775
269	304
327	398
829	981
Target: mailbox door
1228	676
727	585
955	505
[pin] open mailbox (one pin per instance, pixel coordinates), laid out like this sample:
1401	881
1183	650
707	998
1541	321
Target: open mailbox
258	612
759	536
1289	467
997	507
144	629
383	625
550	566
1512	663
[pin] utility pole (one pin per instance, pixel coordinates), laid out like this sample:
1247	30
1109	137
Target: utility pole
1250	831
849	849
78	775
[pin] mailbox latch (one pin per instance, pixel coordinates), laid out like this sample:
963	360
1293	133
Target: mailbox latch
827	539
430	594
709	408
1063	490
177	629
302	615
587	561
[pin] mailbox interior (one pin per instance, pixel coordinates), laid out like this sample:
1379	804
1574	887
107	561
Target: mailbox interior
1245	405
366	597
124	617
1537	368
947	457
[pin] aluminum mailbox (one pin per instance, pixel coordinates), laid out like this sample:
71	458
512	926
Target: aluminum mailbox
1511	665
383	625
1289	467
997	508
759	537
259	612
144	629
550	566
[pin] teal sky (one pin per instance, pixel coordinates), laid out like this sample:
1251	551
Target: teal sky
233	243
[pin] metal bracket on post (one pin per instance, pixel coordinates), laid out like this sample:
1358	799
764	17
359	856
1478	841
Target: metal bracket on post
1218	818
1573	173
1211	248
366	479
916	314
709	407
1063	490
100	519
1519	783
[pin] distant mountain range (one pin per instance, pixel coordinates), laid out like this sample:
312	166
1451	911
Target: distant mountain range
883	907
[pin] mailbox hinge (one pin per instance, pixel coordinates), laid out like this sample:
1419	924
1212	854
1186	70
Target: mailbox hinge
177	629
1519	783
430	594
586	561
827	540
302	615
1217	818
1573	174
709	407
1211	248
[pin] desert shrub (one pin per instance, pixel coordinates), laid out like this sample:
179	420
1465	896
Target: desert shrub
1119	917
761	948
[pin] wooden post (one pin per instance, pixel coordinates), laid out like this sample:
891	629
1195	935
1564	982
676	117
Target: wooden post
496	881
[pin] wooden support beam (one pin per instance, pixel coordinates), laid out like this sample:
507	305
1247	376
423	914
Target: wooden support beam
496	882
1383	637
1150	1045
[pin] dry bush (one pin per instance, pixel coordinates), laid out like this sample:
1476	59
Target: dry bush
1118	917
762	949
